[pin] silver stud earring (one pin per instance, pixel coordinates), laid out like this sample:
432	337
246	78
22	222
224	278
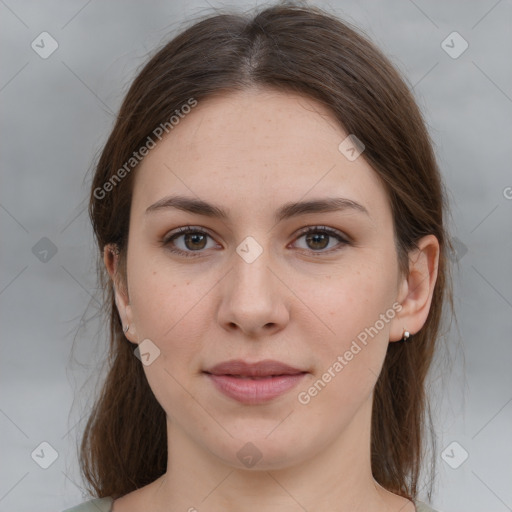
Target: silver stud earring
125	328
406	335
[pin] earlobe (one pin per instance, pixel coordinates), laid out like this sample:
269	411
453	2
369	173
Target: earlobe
417	288
124	309
125	314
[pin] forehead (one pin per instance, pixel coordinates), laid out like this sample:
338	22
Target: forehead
254	150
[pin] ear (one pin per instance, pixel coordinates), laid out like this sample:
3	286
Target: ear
416	289
111	260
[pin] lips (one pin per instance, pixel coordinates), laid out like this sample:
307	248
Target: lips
254	383
265	368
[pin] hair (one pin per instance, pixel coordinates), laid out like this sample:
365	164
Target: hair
292	49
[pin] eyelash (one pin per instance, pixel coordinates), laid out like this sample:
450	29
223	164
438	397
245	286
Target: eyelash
166	242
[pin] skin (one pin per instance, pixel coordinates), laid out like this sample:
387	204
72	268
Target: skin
250	152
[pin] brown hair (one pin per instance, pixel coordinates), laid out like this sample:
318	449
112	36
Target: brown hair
287	48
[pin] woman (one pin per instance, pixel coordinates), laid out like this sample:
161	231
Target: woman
269	215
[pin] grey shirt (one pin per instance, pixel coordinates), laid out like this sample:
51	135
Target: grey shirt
105	505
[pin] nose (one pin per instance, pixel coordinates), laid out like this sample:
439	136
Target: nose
254	299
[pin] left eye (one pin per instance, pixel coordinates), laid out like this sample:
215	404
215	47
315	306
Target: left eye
319	238
194	240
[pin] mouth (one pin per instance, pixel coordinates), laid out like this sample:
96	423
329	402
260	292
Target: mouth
254	383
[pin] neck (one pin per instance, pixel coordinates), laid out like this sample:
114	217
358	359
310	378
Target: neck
337	478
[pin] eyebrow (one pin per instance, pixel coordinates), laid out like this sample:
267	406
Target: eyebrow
288	210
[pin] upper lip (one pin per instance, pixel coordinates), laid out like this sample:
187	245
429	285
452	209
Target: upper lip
263	368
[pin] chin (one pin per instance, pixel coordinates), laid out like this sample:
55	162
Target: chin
255	450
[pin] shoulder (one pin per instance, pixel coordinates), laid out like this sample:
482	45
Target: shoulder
422	507
105	505
96	505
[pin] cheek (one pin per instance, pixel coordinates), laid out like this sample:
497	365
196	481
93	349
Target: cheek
351	306
170	310
350	358
351	301
160	297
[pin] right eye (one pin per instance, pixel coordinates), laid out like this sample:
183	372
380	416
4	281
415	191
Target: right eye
193	240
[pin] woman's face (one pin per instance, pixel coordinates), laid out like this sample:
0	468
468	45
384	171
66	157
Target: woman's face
252	287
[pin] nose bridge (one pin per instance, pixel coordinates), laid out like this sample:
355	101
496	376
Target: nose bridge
251	297
251	274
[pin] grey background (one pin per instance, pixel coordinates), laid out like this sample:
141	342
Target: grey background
57	112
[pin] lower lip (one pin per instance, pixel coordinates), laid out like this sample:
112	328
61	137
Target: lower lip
255	391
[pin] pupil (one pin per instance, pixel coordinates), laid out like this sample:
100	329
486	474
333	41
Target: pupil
315	239
194	237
